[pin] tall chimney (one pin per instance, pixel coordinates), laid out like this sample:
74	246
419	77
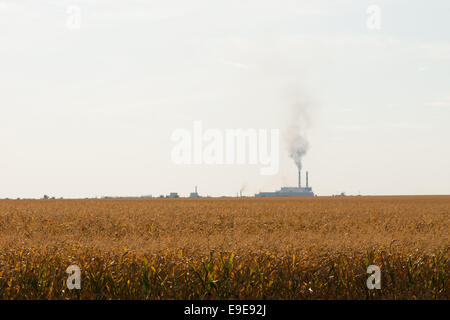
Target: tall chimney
299	178
307	179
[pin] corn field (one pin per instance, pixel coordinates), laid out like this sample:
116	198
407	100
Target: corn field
226	248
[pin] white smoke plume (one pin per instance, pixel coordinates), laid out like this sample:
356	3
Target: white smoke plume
243	187
296	138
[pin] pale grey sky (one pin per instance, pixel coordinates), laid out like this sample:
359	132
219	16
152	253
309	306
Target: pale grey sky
90	111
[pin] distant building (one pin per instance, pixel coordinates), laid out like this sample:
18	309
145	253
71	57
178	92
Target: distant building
194	194
288	192
173	195
291	191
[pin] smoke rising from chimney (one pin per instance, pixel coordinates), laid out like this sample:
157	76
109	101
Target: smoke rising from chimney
243	187
297	141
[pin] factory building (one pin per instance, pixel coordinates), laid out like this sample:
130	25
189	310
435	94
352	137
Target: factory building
291	191
173	195
194	194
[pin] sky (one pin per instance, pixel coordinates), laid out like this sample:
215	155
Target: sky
92	91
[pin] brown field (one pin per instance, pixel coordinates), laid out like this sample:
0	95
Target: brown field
226	248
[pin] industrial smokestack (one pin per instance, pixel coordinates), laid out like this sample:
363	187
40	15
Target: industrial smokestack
307	174
299	178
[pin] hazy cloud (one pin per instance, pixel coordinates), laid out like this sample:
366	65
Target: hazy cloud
351	127
406	125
